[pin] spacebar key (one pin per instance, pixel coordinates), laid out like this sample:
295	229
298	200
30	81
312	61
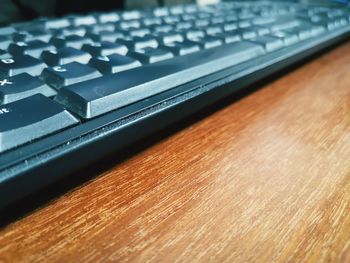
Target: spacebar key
101	95
25	120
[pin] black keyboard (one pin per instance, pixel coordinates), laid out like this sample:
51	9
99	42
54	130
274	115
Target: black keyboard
75	88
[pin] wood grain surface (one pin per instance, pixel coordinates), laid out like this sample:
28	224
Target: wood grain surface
264	179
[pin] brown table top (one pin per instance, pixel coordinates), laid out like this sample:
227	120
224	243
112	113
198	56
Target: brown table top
265	178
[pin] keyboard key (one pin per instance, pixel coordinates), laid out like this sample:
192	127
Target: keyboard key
68	31
7	30
14	66
82	20
97	28
106	36
259	30
93	98
68	74
211	30
208	42
151	55
22	86
33	48
140	32
25	36
139	42
125	25
302	32
288	39
105	49
181	49
64	56
230	26
283	24
114	63
4	54
5	41
108	17
151	21
246	33
73	41
192	34
54	23
24	120
169	37
129	15
228	38
163	28
263	20
270	43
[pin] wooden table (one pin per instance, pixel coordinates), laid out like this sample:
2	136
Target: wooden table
262	179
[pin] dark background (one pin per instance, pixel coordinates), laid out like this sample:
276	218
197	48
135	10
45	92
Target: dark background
10	10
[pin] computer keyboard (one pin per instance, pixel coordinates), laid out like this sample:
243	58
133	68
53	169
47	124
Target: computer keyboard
75	88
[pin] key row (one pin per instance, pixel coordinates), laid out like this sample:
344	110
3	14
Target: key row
112	41
145	50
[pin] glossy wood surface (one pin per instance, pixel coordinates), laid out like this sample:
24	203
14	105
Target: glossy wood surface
263	179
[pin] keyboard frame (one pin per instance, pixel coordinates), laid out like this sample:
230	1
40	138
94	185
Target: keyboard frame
33	166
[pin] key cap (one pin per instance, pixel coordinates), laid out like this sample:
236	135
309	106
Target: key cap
302	32
244	23
166	38
108	17
228	38
201	23
230	26
288	39
5	41
192	34
31	118
93	98
259	30
263	20
33	48
4	54
245	33
106	36
150	55
73	41
105	49
211	30
22	86
55	23
151	21
96	29
283	24
139	42
181	49
270	43
163	28
208	42
68	74
141	32
26	36
114	63
125	25
82	20
129	15
64	56
172	19
183	26
161	11
14	66
7	30
68	31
